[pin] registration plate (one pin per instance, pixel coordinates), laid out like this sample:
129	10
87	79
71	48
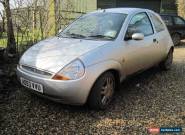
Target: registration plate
32	85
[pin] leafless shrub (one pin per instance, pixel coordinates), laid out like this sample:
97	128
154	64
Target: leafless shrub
34	20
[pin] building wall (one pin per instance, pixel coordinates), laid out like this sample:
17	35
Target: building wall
102	4
168	7
160	6
150	4
68	10
77	5
65	11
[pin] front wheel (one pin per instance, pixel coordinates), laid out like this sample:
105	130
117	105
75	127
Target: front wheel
167	63
102	91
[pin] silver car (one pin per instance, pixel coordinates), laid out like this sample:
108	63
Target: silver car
86	62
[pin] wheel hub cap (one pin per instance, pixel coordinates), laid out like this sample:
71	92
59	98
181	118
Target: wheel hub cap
107	90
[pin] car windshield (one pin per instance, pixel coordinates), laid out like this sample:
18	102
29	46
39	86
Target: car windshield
95	26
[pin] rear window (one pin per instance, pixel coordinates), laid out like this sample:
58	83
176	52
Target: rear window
167	20
179	21
159	26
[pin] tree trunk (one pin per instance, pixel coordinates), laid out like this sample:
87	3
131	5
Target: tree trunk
3	22
34	19
41	23
11	44
3	25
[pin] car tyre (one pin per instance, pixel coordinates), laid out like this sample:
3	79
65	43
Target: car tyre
167	63
102	92
176	38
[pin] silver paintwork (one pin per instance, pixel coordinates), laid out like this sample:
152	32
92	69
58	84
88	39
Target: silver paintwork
54	53
138	36
125	57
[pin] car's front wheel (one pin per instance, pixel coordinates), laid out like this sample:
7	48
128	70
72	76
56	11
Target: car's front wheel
102	91
167	63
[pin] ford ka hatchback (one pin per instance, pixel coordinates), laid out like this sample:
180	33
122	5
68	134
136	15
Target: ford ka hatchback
86	61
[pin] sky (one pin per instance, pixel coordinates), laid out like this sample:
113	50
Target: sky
1	6
13	3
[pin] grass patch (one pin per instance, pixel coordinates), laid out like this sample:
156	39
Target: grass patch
23	40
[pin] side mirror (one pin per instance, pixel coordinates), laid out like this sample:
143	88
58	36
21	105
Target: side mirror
138	36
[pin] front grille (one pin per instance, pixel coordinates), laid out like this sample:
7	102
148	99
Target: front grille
36	71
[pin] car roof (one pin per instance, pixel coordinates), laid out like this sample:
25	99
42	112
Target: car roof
123	10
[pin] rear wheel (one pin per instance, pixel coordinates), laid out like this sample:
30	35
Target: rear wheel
167	63
102	91
176	38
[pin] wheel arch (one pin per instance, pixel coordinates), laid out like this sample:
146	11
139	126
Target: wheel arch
117	76
115	70
117	81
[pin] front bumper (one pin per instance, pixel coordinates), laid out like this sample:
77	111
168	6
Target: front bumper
69	92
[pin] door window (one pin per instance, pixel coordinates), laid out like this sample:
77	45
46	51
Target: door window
179	21
140	23
157	23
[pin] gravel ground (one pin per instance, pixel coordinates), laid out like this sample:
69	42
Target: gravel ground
152	99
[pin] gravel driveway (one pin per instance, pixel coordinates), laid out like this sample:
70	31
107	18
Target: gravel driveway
152	99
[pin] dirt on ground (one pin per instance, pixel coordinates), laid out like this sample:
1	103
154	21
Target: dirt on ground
151	99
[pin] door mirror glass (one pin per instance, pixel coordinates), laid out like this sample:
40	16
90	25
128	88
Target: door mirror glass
138	36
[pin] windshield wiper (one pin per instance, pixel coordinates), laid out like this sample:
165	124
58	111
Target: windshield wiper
101	36
74	35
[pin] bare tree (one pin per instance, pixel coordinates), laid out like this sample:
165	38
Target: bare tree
34	20
43	18
3	21
11	44
64	13
34	9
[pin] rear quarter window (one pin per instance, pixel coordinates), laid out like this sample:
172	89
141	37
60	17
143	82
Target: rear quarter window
178	21
159	26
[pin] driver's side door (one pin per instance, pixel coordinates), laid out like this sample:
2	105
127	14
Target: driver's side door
138	53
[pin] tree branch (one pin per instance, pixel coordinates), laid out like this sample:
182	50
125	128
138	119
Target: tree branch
2	1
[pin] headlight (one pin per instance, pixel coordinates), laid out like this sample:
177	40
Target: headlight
72	71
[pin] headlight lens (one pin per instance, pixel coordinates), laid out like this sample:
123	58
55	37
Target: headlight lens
72	71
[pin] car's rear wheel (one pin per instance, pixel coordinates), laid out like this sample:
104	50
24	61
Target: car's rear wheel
176	38
102	91
167	63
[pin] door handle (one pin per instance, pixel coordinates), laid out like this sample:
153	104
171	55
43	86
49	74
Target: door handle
155	40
